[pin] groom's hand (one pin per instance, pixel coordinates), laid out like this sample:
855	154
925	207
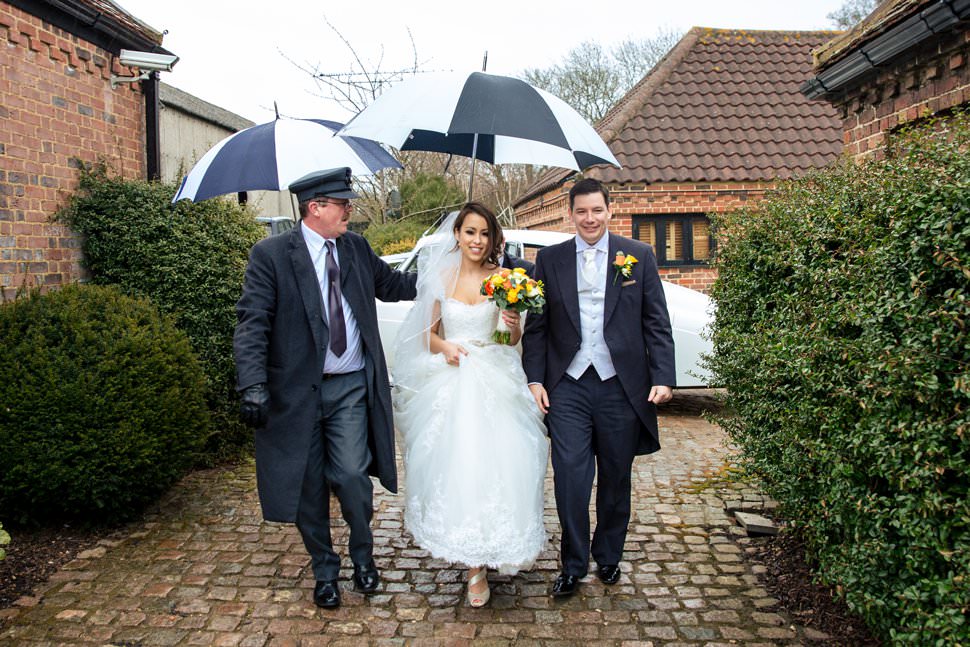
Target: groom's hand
660	394
254	408
542	398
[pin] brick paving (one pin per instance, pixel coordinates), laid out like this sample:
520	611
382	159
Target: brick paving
204	569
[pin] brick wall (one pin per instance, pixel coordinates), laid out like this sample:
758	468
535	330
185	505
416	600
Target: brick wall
56	104
550	212
933	79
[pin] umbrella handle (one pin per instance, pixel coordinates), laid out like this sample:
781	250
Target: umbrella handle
471	181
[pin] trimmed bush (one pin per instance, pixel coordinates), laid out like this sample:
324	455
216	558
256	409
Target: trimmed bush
103	405
386	238
189	259
843	336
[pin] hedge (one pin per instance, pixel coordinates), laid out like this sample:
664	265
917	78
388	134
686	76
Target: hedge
103	406
189	259
843	314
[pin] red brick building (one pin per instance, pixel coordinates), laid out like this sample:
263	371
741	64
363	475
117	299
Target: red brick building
709	129
57	105
906	61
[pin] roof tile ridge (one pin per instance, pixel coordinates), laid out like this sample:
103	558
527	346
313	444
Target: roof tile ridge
627	107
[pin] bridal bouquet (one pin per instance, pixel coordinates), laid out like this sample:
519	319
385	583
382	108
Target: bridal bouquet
513	290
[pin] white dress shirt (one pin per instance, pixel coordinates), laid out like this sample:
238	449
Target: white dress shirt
353	357
592	306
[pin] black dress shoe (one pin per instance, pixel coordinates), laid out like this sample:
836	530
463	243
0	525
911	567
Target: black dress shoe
326	594
565	586
366	578
608	573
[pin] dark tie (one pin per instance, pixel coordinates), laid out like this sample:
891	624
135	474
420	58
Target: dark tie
338	329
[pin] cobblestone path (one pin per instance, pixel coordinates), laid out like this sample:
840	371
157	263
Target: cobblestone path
204	569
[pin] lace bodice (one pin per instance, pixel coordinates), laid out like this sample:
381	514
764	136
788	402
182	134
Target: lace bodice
463	321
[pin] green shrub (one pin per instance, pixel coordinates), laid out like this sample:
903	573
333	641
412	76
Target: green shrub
189	259
843	315
386	238
424	197
4	540
103	405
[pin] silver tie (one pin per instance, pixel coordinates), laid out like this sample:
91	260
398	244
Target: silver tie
589	266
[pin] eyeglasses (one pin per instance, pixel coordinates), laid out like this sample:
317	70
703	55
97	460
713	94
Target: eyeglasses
340	205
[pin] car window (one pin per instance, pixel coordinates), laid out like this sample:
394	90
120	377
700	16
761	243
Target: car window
284	225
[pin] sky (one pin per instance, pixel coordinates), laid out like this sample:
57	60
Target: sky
243	57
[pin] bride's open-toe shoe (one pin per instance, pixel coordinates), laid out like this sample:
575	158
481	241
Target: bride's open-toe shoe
478	599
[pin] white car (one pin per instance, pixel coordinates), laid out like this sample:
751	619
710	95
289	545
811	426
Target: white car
395	259
690	310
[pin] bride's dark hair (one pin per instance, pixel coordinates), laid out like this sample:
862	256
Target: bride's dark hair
494	229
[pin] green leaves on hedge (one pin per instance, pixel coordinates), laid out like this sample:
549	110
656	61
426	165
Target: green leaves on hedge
843	308
104	408
189	259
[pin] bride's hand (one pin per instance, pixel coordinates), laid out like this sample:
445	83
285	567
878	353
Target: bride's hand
453	353
511	318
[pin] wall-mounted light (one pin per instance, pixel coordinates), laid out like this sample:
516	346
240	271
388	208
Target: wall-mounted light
147	62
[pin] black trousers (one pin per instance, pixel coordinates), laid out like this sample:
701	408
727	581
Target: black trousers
338	461
593	429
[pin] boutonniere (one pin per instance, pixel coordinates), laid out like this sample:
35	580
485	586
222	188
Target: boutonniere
624	265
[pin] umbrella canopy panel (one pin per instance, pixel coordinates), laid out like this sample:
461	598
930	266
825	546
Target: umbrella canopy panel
271	156
512	121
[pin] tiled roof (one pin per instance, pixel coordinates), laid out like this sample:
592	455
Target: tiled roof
722	106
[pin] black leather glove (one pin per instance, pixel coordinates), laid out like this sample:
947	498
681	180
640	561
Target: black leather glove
254	408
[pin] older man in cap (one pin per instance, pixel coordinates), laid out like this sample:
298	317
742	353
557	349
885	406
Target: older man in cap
313	379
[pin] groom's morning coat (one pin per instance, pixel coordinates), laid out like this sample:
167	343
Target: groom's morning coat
281	339
636	327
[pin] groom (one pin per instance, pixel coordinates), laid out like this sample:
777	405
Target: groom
598	360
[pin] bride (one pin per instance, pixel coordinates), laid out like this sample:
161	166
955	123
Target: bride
475	446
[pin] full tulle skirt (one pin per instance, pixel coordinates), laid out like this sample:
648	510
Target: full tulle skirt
475	460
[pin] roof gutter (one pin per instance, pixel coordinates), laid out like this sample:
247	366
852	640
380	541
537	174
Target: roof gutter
913	31
94	26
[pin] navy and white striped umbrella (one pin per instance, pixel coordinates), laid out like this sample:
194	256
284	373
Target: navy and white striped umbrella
496	119
271	156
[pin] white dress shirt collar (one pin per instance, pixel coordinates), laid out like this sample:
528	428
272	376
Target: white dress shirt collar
314	241
602	245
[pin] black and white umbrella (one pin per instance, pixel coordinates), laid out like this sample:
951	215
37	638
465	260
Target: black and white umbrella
271	156
496	119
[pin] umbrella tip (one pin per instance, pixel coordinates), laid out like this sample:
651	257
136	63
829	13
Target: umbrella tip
276	110
485	61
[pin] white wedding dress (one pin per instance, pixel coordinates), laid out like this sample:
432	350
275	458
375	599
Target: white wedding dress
475	449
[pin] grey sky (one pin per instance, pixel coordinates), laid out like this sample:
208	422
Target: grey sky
233	53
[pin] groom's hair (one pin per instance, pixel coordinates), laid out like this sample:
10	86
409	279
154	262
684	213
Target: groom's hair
586	186
495	236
